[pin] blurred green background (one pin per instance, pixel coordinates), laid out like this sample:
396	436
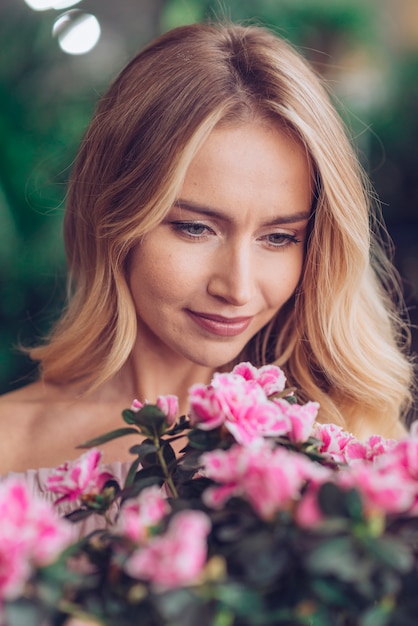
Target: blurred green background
366	49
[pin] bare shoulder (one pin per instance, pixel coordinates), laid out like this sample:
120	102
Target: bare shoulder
19	403
42	425
27	425
20	411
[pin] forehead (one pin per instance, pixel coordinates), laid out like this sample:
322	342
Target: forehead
250	165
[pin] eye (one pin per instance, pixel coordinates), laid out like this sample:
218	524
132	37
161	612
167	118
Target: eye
281	240
191	229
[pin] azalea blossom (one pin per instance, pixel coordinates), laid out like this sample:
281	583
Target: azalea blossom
334	441
240	405
175	558
31	535
139	516
369	450
82	478
168	404
270	479
401	460
387	491
270	377
301	418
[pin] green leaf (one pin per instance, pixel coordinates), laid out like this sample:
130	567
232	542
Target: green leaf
151	420
204	439
181	425
22	612
114	434
240	598
132	472
144	449
169	454
128	416
79	515
354	504
375	616
329	593
150	459
336	502
390	552
142	479
336	557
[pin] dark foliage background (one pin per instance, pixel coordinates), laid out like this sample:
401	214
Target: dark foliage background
368	50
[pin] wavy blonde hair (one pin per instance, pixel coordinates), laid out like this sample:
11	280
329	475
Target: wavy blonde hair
339	339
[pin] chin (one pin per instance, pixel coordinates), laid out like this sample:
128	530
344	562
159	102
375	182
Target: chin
216	361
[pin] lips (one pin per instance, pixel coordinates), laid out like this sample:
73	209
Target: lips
219	325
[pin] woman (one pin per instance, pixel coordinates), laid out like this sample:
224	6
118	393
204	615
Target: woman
216	213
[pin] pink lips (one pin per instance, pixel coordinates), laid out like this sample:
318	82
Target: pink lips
218	325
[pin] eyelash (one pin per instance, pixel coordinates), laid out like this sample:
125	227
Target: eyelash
183	228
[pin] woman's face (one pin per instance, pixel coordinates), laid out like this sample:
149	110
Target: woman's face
230	252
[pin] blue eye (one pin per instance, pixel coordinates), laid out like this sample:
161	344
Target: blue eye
192	229
280	240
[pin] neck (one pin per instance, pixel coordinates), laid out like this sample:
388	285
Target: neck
145	376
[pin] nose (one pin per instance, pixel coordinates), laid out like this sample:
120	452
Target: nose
232	275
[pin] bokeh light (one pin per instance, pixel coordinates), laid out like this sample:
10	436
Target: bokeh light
44	5
77	32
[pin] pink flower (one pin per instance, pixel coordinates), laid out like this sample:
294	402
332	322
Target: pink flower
82	478
175	558
401	459
369	450
404	455
169	405
386	491
31	535
136	405
334	440
269	479
139	517
240	405
301	418
270	377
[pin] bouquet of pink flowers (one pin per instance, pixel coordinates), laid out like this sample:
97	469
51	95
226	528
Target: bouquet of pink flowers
267	517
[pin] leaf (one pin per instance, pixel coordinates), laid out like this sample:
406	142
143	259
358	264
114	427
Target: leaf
329	593
114	434
336	502
143	449
22	612
375	616
191	459
150	419
182	424
79	515
182	606
204	439
336	557
132	472
354	504
142	479
390	552
169	454
128	416
240	598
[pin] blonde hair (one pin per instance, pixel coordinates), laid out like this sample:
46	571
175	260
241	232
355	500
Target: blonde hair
339	338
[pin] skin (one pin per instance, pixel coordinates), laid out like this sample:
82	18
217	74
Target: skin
208	278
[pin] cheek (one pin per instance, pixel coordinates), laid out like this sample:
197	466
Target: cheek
162	276
286	278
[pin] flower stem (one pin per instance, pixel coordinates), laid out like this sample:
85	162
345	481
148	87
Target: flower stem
163	464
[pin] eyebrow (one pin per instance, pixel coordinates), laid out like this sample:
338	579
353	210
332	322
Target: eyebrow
194	207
